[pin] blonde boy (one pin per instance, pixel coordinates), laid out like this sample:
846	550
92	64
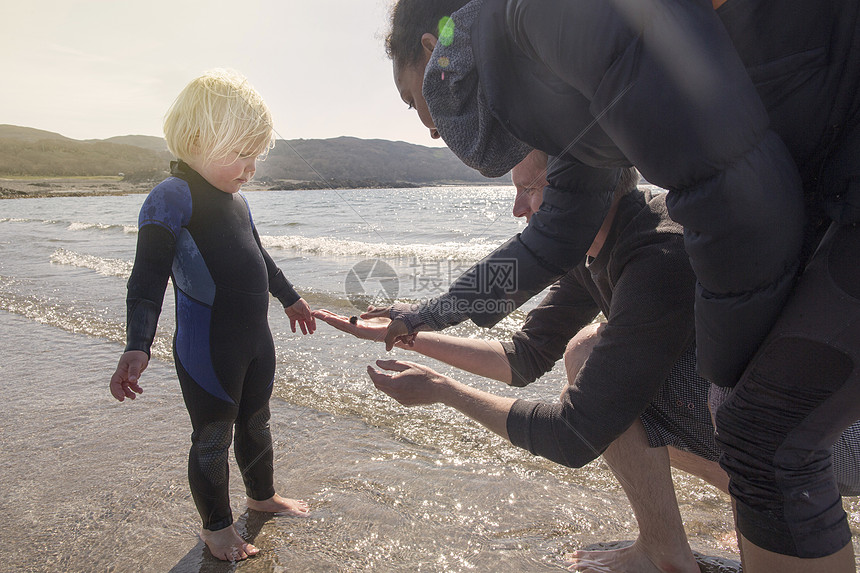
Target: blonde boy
196	228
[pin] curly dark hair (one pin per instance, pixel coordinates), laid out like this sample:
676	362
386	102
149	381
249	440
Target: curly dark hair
411	19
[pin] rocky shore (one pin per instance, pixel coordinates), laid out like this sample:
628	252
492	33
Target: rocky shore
68	187
87	186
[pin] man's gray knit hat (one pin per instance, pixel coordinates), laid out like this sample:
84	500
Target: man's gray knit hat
457	105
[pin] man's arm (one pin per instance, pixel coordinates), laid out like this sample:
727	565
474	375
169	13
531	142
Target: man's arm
482	357
415	385
532	351
540	343
650	324
555	240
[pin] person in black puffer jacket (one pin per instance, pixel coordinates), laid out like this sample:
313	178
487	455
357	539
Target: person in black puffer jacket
749	116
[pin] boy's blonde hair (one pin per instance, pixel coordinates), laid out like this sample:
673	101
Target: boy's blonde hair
216	114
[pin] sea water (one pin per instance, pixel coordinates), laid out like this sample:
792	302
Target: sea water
390	488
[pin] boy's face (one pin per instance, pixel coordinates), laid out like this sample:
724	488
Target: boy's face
229	173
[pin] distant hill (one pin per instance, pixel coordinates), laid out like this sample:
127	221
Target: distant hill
356	159
28	133
150	142
33	152
298	163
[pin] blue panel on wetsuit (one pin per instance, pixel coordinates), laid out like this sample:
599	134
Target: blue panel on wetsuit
190	273
168	205
192	335
245	199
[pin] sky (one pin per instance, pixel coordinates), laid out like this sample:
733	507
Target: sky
93	69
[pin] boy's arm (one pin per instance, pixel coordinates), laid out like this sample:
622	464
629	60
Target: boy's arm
146	285
279	286
165	211
295	306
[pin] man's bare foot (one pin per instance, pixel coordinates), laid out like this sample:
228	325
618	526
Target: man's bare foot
278	504
632	559
227	545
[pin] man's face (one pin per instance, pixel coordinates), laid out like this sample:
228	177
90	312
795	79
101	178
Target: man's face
529	177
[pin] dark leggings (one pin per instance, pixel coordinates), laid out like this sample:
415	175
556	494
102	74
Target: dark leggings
213	420
793	402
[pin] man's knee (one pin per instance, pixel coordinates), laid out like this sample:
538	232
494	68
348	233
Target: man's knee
580	346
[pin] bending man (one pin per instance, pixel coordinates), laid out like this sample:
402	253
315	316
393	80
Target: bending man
625	276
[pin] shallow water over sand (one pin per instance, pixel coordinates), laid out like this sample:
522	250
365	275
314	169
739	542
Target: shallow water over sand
94	485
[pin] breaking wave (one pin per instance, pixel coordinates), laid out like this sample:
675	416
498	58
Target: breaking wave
327	246
103	266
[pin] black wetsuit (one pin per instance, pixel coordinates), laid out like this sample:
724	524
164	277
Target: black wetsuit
205	240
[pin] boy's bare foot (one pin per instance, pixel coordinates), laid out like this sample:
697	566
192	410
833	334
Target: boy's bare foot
227	545
631	559
278	504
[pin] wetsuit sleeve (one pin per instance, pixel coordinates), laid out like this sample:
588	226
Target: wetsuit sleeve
279	286
651	324
554	242
666	84
165	211
146	286
534	349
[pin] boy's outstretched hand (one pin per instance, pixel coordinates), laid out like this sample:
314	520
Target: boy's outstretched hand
125	381
299	312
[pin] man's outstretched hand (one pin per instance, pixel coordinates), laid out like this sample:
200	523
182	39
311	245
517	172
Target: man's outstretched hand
397	330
